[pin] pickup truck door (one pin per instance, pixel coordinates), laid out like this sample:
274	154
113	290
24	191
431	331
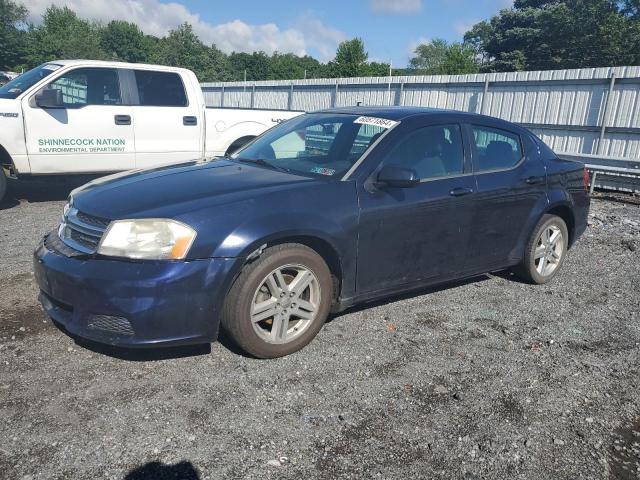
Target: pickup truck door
168	123
91	132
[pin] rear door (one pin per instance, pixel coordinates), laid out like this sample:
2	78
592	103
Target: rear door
167	123
91	133
510	180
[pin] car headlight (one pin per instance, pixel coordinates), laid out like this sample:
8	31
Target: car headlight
157	239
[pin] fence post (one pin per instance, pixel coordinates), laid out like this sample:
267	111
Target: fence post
290	103
484	94
605	113
335	96
253	94
401	100
222	97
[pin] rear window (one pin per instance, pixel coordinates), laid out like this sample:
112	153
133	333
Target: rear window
160	89
497	149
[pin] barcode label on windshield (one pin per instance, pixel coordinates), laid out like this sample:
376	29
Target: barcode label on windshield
378	122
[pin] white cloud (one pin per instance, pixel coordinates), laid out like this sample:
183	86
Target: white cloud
463	26
411	48
395	6
157	18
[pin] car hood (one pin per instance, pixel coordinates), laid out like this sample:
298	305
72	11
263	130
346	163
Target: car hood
174	190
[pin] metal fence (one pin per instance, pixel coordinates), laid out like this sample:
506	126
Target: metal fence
592	111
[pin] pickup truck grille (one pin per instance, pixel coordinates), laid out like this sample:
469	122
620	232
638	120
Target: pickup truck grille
82	232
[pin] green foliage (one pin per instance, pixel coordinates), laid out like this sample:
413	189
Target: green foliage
555	34
438	57
12	37
62	35
352	60
125	41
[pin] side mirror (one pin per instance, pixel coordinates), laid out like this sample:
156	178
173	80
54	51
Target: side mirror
396	177
49	98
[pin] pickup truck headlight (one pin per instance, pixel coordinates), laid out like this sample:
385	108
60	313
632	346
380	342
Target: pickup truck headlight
153	239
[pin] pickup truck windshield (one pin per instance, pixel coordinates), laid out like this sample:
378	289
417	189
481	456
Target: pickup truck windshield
22	82
315	144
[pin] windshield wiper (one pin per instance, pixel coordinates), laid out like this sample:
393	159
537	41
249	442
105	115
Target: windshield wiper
263	163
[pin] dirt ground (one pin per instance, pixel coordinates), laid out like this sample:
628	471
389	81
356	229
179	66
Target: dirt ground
488	378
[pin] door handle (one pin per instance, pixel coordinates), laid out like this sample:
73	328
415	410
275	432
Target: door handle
123	119
533	180
460	191
189	121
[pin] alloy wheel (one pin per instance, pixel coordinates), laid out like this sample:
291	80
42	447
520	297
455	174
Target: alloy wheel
549	250
285	304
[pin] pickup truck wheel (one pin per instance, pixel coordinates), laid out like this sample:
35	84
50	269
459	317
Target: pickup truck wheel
545	251
279	302
3	184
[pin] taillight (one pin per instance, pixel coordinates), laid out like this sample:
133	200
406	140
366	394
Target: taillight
585	179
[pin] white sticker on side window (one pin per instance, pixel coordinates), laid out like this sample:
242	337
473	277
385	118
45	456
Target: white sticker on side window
378	122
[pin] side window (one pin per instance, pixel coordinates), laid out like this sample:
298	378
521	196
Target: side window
497	149
88	86
430	151
160	89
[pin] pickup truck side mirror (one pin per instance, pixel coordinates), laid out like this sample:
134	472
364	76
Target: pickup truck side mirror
396	177
49	98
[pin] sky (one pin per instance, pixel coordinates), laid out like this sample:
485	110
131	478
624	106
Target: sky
390	28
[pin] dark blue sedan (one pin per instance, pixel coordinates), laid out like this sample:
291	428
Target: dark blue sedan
325	211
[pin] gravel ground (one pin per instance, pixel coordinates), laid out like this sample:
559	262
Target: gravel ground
489	378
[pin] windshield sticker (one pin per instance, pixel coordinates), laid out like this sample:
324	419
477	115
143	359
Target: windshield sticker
51	67
323	171
378	122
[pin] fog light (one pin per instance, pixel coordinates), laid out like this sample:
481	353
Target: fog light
108	323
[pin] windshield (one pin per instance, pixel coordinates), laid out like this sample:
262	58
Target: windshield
22	82
315	144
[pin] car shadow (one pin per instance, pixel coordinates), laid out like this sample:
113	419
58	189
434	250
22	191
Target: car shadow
150	354
410	294
45	189
158	471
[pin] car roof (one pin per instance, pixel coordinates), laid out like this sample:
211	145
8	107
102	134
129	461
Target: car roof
114	64
390	113
402	113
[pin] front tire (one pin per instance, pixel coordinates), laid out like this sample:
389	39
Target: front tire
545	251
279	302
3	184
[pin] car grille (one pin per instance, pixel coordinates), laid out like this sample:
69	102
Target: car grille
81	231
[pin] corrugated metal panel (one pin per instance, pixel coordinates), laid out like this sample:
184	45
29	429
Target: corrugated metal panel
566	108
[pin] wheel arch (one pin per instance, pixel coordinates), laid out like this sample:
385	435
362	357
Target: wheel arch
565	212
5	159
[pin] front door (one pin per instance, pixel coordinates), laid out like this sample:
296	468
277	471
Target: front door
93	131
417	234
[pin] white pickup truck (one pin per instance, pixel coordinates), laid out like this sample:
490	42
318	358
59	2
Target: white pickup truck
88	117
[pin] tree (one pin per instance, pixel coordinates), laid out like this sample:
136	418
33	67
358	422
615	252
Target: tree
351	59
438	57
256	65
125	41
12	36
62	35
554	34
183	48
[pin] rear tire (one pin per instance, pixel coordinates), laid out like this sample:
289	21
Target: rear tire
279	302
545	251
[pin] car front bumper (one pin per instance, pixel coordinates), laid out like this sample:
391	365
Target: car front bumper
133	303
